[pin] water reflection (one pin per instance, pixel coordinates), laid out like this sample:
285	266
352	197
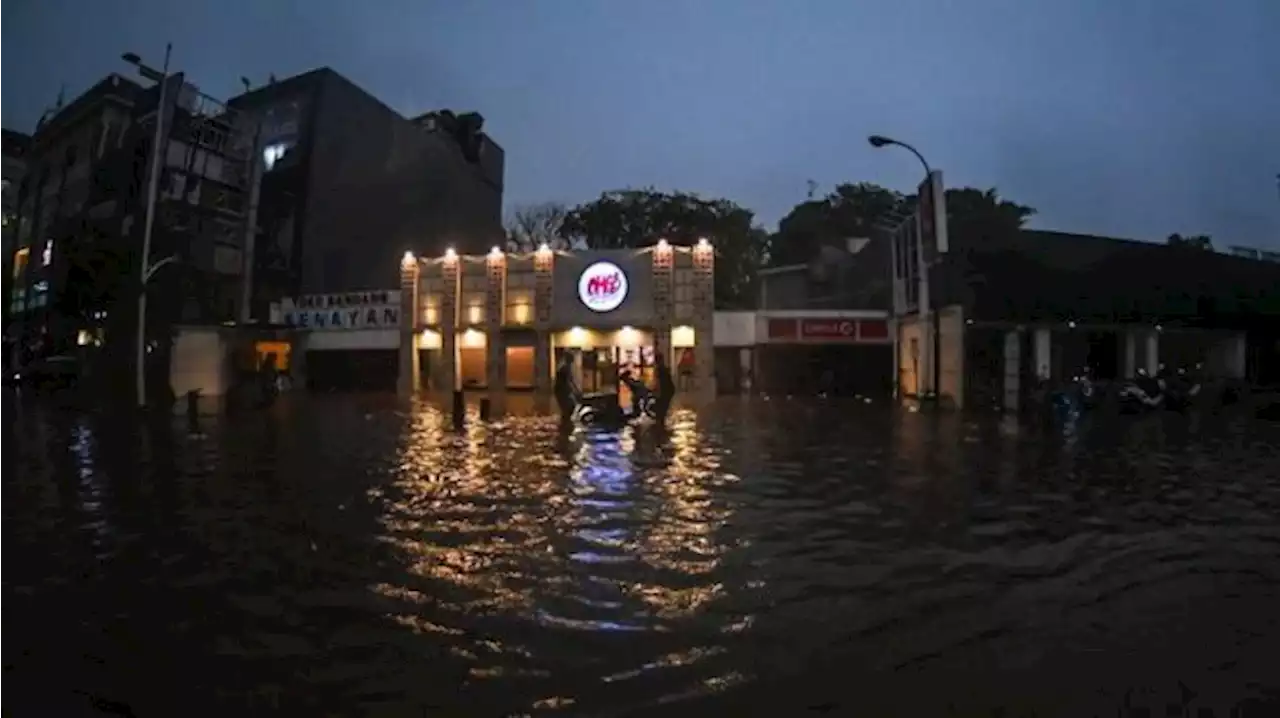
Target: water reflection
357	555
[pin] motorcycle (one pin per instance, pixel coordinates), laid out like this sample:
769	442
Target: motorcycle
1182	389
1142	393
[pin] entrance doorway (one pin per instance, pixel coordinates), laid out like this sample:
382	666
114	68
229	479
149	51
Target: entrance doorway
596	369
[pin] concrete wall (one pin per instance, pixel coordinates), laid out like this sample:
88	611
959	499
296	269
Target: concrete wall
200	362
952	370
380	185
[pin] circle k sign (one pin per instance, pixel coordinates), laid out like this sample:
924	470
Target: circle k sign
602	287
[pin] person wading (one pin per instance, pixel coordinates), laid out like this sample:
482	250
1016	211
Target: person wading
666	390
565	390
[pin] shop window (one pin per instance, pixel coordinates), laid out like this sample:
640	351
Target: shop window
20	261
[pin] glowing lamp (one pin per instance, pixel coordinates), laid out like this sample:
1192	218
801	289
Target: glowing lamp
450	254
408	260
703	243
495	253
663	246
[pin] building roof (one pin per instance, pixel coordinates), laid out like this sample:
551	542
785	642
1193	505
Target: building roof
1054	275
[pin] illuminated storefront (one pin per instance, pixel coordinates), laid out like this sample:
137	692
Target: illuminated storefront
503	320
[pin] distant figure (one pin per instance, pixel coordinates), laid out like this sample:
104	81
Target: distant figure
565	390
666	390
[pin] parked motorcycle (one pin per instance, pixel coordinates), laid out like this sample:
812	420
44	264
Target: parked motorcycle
1182	389
1142	393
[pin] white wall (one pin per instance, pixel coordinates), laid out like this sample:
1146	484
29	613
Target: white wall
734	329
199	362
353	339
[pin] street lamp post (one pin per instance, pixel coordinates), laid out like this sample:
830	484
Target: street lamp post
153	184
879	141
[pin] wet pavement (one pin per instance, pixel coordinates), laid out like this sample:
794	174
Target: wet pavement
355	556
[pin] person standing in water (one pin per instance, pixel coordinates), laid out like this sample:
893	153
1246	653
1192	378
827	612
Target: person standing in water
565	390
666	389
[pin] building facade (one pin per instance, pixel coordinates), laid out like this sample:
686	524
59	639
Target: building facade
15	146
350	184
73	164
504	321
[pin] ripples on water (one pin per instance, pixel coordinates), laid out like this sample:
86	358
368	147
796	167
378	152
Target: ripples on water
351	556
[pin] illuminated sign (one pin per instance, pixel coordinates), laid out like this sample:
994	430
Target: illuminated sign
602	287
355	310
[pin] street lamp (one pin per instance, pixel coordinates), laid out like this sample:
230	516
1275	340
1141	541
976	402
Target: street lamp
153	183
879	141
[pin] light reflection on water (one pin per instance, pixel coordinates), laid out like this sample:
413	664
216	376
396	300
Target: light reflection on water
348	551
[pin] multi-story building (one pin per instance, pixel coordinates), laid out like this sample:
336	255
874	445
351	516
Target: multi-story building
67	168
14	146
82	218
350	185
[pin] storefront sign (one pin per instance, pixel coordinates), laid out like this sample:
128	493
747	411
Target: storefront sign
828	329
602	287
355	310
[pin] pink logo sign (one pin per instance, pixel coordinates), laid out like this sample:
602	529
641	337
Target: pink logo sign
602	287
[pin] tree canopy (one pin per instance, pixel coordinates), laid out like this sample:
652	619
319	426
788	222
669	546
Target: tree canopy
530	226
1195	241
640	217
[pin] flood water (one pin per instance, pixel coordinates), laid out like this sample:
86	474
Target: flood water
355	556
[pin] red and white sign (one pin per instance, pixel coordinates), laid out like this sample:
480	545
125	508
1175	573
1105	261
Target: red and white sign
602	287
845	329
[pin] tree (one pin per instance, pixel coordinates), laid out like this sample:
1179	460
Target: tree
640	217
849	211
530	226
978	216
1197	241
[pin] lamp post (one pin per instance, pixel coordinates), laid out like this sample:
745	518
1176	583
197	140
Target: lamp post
879	141
153	184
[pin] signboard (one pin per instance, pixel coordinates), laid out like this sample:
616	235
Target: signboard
845	329
355	310
602	287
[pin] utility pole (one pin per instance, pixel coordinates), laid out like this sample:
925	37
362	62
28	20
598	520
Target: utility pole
153	185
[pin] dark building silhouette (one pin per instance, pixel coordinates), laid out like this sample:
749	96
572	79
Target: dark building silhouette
351	185
15	146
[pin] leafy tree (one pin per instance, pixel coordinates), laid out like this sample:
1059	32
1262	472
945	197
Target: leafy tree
639	217
530	226
977	215
850	211
1197	241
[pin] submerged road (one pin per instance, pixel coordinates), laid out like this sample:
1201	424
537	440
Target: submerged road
353	555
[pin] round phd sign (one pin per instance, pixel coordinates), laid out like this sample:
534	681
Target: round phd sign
602	287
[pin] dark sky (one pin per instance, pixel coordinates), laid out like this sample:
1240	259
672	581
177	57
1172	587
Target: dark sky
1126	117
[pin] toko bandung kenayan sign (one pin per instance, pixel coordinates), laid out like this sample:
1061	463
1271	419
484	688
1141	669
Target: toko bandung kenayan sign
354	310
602	287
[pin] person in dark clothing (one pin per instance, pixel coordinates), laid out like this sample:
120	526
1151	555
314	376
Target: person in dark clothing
666	390
565	390
640	393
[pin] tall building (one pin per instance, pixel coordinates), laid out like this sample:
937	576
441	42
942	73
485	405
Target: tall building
350	185
66	173
82	210
14	146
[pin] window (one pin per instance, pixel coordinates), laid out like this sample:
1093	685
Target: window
46	256
272	153
20	261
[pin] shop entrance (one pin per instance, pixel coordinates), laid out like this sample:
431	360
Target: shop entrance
596	369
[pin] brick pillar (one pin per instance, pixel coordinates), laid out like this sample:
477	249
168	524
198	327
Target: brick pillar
495	307
704	308
410	274
451	275
544	262
663	273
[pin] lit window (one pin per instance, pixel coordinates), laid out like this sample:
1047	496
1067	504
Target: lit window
20	261
46	257
272	153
